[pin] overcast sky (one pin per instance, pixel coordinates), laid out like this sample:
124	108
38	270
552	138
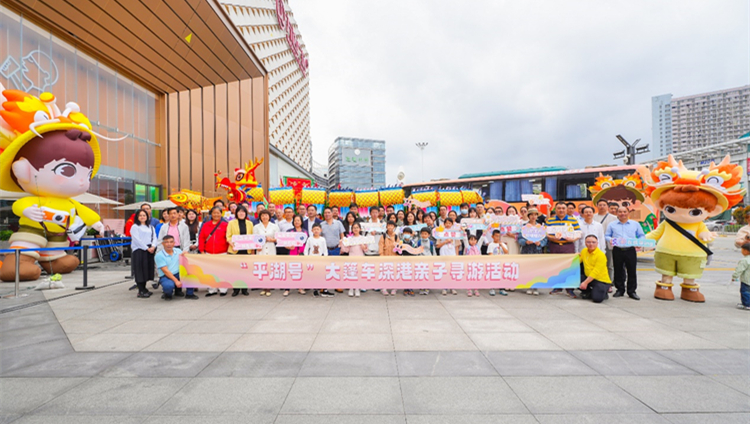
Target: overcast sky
494	85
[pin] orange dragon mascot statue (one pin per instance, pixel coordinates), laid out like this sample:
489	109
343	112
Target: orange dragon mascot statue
686	198
238	190
51	156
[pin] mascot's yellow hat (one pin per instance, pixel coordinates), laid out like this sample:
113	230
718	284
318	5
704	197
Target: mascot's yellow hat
24	117
722	180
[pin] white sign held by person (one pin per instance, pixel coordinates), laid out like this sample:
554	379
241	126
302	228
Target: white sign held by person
533	233
353	241
633	242
373	227
563	232
535	199
291	239
248	242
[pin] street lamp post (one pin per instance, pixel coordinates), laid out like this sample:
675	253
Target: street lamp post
421	148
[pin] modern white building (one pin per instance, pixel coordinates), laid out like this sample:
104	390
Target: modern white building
356	163
685	123
270	29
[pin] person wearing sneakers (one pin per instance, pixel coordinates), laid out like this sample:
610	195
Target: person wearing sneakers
385	245
316	246
594	260
497	247
625	257
448	247
562	245
742	273
168	264
354	250
472	250
428	248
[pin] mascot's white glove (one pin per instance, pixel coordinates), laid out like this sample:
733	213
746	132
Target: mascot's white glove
98	226
707	236
34	213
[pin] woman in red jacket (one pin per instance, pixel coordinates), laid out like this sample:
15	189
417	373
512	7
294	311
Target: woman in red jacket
213	240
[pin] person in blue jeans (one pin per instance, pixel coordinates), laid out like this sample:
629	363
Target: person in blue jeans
168	266
742	273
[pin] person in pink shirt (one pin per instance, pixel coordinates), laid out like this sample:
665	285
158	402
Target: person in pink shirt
297	250
355	250
472	250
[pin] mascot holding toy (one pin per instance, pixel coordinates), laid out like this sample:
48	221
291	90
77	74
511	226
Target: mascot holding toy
51	156
687	198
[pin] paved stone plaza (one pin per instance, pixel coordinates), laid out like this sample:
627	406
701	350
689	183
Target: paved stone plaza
106	356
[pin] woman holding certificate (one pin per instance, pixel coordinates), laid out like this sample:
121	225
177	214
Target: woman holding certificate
239	226
268	229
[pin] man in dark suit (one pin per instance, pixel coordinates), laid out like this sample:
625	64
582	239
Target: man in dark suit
312	218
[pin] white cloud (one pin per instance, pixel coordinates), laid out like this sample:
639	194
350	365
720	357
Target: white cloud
495	85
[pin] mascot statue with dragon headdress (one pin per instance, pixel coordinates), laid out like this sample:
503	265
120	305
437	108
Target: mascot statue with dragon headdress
687	198
51	156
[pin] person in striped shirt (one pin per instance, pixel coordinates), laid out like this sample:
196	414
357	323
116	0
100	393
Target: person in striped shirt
562	244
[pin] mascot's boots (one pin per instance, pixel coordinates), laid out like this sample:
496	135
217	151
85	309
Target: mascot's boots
664	291
62	265
27	269
691	293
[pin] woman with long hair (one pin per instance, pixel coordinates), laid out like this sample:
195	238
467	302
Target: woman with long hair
410	219
400	217
420	216
193	221
266	228
239	226
355	250
297	227
349	220
143	244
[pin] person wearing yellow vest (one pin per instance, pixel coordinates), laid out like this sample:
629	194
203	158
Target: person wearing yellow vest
597	282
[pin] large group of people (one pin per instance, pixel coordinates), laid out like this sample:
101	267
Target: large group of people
156	244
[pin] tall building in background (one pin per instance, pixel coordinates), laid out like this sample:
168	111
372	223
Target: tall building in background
356	163
271	31
685	123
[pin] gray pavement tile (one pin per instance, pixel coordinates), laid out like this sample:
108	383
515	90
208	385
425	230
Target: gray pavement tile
204	342
255	364
592	340
114	396
503	325
530	363
286	326
23	395
211	419
344	395
161	364
6	419
740	383
349	342
425	326
34	317
78	419
555	395
631	362
471	419
433	341
115	342
445	364
729	339
512	341
728	418
669	339
339	419
601	419
682	394
349	364
23	356
30	335
229	396
724	361
300	342
459	396
70	365
370	326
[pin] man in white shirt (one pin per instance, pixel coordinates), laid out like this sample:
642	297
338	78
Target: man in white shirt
589	226
443	215
373	249
605	218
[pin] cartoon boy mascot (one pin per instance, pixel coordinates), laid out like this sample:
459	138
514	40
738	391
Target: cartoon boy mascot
687	198
51	156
